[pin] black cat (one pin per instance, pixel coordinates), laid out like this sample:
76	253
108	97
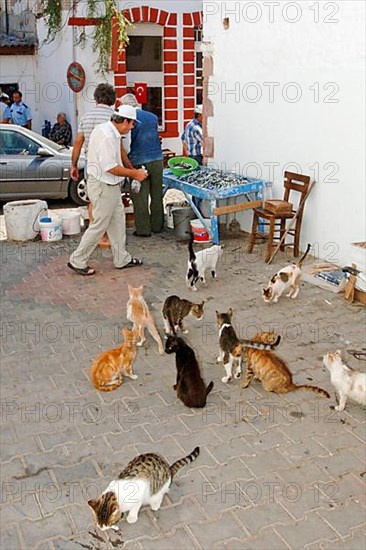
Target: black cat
190	387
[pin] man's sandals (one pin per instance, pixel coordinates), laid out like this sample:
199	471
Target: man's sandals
87	271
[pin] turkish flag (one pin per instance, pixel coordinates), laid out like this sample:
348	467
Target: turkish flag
141	92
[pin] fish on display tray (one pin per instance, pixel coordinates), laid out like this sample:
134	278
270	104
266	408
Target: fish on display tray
213	179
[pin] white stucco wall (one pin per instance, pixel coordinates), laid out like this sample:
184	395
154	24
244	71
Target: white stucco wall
298	103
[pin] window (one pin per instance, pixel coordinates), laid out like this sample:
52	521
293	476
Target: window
14	143
144	63
144	53
199	64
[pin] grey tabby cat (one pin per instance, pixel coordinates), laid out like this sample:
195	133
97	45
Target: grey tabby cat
176	309
144	482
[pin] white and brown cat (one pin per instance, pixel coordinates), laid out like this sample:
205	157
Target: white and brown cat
139	313
348	383
287	279
144	482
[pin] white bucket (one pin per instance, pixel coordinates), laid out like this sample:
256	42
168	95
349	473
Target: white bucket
21	219
51	229
70	223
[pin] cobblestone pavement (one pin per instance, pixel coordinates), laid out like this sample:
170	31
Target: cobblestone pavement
274	471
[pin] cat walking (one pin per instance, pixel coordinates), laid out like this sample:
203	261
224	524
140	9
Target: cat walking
232	348
349	384
287	279
144	482
200	261
107	370
176	309
271	370
190	387
138	312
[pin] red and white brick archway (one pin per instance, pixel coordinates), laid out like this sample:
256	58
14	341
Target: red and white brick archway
145	14
168	21
190	21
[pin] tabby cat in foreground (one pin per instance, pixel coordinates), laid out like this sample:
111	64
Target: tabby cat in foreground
176	309
232	348
138	312
106	371
144	482
271	370
190	387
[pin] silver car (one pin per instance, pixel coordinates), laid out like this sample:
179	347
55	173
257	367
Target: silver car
33	167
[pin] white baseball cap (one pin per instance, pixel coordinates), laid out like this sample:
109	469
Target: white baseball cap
126	111
198	109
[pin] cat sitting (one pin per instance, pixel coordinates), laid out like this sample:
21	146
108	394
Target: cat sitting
200	261
232	348
106	371
138	312
144	482
176	309
190	387
287	279
271	370
348	383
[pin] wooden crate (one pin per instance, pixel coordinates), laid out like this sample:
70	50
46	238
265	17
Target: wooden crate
278	206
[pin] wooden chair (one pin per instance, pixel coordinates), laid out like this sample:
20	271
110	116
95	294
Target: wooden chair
277	222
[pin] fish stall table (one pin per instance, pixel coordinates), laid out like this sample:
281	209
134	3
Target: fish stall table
214	185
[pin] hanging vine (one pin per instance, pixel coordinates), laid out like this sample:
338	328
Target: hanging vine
102	32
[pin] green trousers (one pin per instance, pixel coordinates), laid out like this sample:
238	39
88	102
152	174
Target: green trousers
150	217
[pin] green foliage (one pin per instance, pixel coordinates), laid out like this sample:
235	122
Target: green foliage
102	33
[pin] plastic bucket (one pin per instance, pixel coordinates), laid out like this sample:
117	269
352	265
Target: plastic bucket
182	218
70	223
51	229
201	235
21	219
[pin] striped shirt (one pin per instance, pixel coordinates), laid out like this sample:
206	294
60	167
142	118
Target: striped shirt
192	137
98	115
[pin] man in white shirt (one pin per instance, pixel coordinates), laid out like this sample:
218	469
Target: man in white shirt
105	172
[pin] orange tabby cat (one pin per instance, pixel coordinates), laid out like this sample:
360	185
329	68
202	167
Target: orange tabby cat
138	312
106	371
271	370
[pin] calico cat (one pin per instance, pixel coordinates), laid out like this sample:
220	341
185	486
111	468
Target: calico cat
144	482
200	261
271	370
348	383
190	387
287	278
138	312
106	371
232	348
176	309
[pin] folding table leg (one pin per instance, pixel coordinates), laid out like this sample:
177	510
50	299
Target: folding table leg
214	223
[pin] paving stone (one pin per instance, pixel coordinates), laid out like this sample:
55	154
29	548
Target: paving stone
344	519
268	539
118	441
259	517
70	435
208	534
26	507
10	539
342	463
310	530
52	526
180	540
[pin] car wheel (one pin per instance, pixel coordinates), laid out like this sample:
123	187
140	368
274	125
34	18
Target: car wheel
78	193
